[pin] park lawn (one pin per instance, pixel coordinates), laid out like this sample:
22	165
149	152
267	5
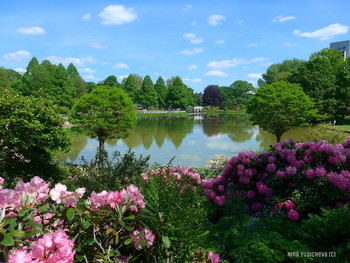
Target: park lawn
342	127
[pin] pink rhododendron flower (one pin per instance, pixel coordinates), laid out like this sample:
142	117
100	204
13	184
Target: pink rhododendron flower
214	258
20	256
221	188
289	204
271	167
256	206
148	237
220	200
70	199
293	215
251	195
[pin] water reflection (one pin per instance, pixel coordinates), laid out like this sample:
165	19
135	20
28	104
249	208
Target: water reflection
193	139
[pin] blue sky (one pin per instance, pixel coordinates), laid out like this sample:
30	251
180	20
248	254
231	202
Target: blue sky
204	42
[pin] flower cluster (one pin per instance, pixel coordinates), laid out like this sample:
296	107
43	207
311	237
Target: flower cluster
287	167
217	163
143	238
70	199
55	247
131	195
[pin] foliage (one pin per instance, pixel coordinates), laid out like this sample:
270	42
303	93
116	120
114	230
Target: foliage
72	71
105	113
111	81
325	132
131	85
324	77
80	86
162	91
111	174
148	96
212	96
280	107
175	212
178	94
31	133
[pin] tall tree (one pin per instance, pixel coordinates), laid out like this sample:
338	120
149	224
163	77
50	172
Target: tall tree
280	107
177	94
324	78
72	71
105	113
162	92
31	133
32	63
212	96
148	96
4	81
111	81
242	91
132	84
80	86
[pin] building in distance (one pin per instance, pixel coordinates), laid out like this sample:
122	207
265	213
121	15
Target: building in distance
343	46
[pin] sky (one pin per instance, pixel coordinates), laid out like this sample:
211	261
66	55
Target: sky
205	42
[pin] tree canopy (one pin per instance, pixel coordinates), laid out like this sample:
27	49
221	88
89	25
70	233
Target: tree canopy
31	133
281	106
212	96
105	113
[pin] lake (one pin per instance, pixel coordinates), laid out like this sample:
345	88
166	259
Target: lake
193	140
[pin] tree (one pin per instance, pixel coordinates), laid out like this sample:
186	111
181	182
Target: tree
4	81
162	92
32	63
111	81
80	86
148	96
177	96
72	71
31	133
105	113
324	77
241	91
132	84
281	106
212	96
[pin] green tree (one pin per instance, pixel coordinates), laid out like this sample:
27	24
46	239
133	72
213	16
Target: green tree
280	71
148	96
72	71
105	113
324	77
111	81
32	63
91	86
242	91
4	81
177	96
132	84
80	86
31	133
281	106
162	92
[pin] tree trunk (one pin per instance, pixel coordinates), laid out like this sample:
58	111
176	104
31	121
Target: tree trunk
278	136
101	149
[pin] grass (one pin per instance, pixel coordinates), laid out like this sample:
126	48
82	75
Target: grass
218	111
342	127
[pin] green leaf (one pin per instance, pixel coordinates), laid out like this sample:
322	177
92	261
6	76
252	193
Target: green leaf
128	241
7	240
166	241
86	224
131	217
70	213
143	243
122	223
109	230
129	228
116	240
17	233
34	224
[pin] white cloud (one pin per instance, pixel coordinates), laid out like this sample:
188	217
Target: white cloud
324	33
220	42
97	45
87	70
253	45
281	19
121	65
86	17
224	64
18	55
254	75
121	77
35	30
193	38
196	80
192	67
117	15
287	44
196	50
187	7
20	70
215	20
216	73
80	62
90	77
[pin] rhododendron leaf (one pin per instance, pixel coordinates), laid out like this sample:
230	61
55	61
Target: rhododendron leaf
143	243
166	241
43	208
122	223
128	241
141	234
27	217
129	228
131	217
116	240
86	225
7	240
70	213
10	221
108	231
36	225
17	233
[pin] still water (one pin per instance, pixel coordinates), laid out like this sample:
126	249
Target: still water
192	140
